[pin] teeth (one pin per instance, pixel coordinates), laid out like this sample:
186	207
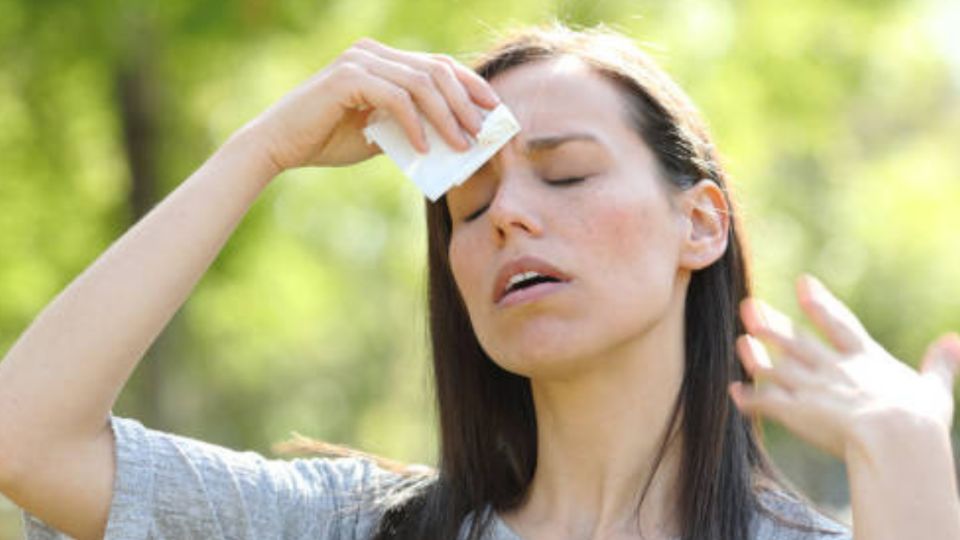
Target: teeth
523	276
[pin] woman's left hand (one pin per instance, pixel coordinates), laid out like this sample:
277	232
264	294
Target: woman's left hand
832	393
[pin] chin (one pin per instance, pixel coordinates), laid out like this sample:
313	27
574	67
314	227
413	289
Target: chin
541	356
564	348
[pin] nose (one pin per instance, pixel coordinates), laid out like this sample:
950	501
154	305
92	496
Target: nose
513	210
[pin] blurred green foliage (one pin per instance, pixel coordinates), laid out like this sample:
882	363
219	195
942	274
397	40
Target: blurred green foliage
838	120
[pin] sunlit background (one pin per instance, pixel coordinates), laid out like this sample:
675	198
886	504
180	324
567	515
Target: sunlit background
840	122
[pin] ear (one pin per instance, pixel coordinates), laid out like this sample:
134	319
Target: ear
706	220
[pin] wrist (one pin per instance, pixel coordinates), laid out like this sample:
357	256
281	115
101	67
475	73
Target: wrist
893	436
247	146
902	478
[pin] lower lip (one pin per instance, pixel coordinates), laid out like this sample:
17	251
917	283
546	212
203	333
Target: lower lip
531	294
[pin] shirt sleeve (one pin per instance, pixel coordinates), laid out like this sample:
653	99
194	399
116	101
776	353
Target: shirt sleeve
172	487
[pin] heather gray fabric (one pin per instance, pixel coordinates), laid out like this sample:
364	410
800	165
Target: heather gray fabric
169	487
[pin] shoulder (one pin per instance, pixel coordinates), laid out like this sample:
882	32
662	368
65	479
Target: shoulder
178	487
784	516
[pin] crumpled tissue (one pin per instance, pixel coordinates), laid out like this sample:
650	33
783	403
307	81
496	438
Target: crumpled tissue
442	167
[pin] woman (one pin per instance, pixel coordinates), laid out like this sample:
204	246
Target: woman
587	291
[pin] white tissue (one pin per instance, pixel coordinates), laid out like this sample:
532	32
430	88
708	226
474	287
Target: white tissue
442	167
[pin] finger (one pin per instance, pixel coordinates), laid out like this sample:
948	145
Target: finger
375	92
479	88
755	358
831	316
787	372
773	326
456	95
425	93
942	361
444	78
769	401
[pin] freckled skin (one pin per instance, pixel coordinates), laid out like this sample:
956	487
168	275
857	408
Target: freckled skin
615	233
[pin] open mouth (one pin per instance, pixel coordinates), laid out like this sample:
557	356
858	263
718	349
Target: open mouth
527	280
531	290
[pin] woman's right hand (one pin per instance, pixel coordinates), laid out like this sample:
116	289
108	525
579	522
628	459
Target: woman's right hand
320	122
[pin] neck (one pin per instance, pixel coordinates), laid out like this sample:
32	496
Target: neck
598	436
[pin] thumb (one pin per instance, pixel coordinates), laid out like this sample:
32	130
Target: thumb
942	360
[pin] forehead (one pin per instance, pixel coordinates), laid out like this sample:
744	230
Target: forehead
560	95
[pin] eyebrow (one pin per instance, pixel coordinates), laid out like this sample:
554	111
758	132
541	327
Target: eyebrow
549	143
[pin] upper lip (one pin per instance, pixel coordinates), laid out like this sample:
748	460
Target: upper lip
523	264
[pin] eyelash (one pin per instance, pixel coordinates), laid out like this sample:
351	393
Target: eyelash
560	182
566	181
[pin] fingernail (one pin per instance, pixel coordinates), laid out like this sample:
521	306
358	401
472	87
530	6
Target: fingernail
759	352
774	320
423	147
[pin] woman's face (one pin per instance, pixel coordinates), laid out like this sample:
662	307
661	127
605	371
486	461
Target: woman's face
576	197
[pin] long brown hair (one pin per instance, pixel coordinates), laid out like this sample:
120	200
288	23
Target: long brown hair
488	426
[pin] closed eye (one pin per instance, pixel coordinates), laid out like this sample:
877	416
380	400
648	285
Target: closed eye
566	181
557	182
476	214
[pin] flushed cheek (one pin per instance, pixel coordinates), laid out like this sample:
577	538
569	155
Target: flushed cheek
617	231
634	249
466	264
623	223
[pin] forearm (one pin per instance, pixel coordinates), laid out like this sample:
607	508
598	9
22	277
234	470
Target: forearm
61	378
903	483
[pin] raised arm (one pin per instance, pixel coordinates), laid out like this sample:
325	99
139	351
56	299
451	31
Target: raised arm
849	397
61	378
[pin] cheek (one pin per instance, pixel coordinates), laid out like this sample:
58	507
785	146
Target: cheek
633	244
619	230
628	227
464	266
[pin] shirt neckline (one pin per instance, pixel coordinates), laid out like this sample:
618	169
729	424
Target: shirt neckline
502	530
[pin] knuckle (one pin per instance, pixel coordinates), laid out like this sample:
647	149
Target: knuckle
364	43
441	71
348	70
445	58
351	56
420	81
399	96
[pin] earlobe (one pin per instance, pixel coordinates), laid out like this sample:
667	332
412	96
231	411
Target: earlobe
708	222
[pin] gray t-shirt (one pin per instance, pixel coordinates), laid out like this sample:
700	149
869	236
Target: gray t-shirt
177	488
